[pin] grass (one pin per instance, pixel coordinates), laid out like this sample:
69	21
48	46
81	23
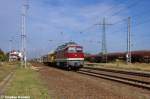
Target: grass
6	68
26	82
122	65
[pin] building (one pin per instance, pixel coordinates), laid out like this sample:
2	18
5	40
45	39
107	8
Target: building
15	55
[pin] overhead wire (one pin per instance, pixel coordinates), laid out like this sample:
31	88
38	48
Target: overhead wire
124	19
130	6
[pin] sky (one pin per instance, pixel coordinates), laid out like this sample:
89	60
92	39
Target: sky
53	22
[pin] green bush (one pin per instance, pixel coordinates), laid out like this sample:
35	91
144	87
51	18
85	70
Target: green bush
3	56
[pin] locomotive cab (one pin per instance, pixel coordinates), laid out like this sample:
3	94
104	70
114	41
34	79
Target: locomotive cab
75	57
70	55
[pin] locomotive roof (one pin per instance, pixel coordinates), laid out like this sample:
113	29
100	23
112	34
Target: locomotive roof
65	45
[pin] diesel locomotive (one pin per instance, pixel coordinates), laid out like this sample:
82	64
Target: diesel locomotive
69	55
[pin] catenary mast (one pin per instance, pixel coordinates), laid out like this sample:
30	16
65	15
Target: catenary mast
25	7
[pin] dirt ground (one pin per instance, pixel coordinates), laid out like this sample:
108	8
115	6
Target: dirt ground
71	85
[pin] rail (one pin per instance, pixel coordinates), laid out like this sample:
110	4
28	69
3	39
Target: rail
134	78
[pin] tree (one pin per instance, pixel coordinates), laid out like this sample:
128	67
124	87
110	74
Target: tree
3	56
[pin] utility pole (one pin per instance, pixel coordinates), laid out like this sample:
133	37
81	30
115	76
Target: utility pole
104	43
23	33
128	54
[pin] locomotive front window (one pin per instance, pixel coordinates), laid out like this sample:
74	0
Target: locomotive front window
79	49
71	49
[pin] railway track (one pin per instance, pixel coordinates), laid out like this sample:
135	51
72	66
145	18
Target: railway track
134	78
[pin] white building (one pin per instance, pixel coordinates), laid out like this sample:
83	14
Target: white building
15	55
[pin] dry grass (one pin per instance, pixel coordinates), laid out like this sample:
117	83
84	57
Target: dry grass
121	65
26	82
6	68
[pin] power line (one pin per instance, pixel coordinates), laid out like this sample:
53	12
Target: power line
128	36
88	28
116	13
130	6
143	22
107	10
97	16
124	19
134	16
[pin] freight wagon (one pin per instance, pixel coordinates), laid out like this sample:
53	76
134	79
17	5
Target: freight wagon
137	56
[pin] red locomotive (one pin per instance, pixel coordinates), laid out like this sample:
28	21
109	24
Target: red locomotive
69	55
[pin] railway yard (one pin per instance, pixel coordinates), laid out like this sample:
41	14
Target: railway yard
67	73
74	49
74	85
87	83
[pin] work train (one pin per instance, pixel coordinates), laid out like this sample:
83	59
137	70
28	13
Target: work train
69	55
